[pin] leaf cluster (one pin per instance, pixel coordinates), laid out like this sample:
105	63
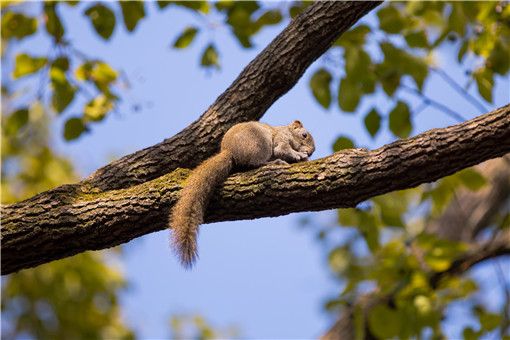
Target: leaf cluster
398	55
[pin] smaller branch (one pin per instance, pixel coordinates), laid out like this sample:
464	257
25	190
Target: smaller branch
462	91
429	101
474	256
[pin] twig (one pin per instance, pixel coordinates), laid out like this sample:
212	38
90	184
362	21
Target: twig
473	256
427	100
462	91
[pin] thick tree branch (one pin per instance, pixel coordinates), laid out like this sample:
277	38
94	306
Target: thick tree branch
68	219
269	76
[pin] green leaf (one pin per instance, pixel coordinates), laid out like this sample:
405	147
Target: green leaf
485	82
499	59
490	321
390	20
457	19
201	6
16	25
63	95
441	195
469	334
373	122
357	62
462	50
57	76
343	143
269	18
185	38
239	15
98	72
472	179
132	11
384	322
359	70
400	120
53	23
355	37
96	109
163	4
103	73
320	85
348	217
16	120
389	77
391	209
84	71
102	19
57	71
401	62
210	57
25	64
61	63
297	8
349	95
73	128
440	253
417	39
484	43
368	228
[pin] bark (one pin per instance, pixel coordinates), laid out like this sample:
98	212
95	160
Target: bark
71	219
270	75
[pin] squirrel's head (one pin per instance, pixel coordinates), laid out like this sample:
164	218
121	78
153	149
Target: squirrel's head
306	141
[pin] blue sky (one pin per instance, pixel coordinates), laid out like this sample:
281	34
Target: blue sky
268	277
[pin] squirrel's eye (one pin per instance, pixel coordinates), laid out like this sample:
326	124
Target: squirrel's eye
304	135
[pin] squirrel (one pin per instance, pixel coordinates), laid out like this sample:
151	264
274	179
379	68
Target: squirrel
245	145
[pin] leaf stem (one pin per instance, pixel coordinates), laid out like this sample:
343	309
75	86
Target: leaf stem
462	91
429	101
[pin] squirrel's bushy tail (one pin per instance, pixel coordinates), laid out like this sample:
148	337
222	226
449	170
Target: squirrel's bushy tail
188	213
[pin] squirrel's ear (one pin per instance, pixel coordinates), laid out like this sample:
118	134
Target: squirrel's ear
297	124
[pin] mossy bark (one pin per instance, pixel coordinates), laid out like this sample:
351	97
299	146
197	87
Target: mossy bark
71	219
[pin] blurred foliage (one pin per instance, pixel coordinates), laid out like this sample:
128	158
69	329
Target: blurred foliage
392	54
401	47
391	256
196	327
74	298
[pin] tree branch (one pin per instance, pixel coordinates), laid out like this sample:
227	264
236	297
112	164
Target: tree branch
71	219
269	76
478	254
